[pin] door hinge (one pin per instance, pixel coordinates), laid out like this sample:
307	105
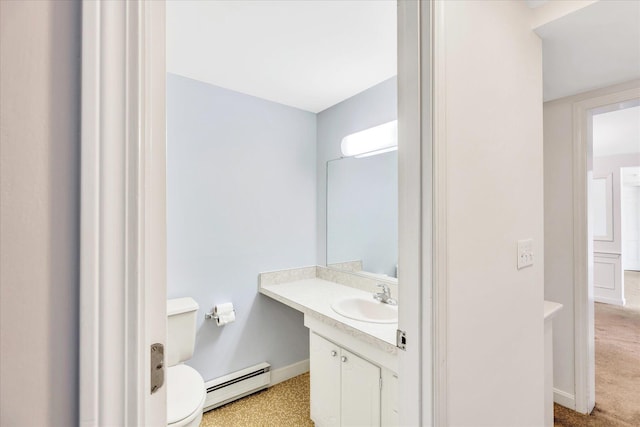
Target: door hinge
401	339
157	367
380	383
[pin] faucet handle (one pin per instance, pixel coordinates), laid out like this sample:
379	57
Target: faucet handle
385	288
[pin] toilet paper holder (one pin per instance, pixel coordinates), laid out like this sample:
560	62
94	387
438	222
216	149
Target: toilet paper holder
212	315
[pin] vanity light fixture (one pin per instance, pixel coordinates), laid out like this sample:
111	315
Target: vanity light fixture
376	140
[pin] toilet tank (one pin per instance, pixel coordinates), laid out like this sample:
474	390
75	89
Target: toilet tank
181	329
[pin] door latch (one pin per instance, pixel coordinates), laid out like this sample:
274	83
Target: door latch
401	339
157	366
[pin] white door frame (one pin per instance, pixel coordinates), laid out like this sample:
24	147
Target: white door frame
439	227
583	247
123	224
627	264
122	261
415	196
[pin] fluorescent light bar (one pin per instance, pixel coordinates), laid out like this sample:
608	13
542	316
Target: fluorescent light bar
373	153
375	140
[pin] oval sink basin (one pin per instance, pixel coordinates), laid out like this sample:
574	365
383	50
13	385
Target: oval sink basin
366	310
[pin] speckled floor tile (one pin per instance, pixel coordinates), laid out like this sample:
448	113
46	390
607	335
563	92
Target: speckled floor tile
284	404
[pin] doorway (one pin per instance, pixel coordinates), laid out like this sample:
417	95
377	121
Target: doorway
242	176
630	211
574	88
615	139
140	316
615	130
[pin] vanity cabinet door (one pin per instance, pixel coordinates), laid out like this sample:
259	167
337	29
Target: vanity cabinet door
360	391
325	381
389	399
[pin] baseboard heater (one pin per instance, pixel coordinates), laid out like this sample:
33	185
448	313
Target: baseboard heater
236	385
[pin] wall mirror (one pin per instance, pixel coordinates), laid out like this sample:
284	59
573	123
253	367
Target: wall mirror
362	214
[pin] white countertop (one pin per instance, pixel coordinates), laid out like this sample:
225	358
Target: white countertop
314	297
551	309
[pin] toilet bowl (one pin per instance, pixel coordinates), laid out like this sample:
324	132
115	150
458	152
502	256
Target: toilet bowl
185	386
185	396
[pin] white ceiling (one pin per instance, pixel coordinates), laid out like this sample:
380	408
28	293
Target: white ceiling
314	54
306	54
616	132
594	47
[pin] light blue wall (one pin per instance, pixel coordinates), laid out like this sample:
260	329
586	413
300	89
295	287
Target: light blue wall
246	193
374	106
241	199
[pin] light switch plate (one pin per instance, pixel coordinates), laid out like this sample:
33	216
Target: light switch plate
525	253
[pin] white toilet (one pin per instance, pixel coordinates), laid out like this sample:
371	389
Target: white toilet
185	386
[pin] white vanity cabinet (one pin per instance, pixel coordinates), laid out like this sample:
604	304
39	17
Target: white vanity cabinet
325	369
347	390
353	363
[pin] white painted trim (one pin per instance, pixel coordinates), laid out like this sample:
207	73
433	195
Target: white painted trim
609	289
89	219
290	371
431	331
565	399
608	182
607	254
122	279
583	304
153	177
440	247
583	249
414	220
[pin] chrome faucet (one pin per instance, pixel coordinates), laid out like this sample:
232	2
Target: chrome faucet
385	296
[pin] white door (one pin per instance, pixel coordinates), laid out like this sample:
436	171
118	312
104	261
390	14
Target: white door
360	391
325	381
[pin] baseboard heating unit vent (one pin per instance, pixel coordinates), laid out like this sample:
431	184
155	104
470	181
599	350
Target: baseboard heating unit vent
236	385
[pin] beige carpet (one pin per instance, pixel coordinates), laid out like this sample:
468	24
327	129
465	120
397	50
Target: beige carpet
284	404
617	335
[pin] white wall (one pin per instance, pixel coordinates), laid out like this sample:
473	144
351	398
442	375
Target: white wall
241	200
603	166
39	203
631	227
495	197
558	228
608	275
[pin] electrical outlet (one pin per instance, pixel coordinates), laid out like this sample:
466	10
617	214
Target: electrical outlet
525	253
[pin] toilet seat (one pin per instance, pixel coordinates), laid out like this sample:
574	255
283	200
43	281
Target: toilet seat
185	395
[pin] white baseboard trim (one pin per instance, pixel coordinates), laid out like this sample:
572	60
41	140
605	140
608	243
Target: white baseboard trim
605	300
290	371
565	399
